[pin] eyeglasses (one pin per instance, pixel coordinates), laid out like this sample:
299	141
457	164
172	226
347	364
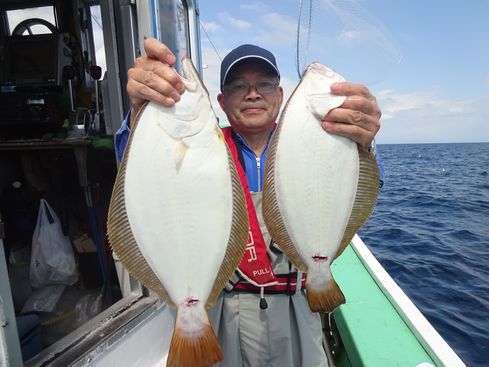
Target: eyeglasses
239	88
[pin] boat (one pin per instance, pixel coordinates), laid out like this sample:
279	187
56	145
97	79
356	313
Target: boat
377	326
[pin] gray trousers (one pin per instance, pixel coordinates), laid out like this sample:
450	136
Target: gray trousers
286	334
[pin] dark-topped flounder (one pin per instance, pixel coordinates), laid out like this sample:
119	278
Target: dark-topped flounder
177	218
319	188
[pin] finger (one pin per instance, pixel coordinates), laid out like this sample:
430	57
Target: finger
359	135
156	72
368	106
140	93
354	117
358	98
145	85
159	51
358	118
157	76
350	89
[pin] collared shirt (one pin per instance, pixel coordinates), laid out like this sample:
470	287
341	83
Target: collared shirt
254	166
121	137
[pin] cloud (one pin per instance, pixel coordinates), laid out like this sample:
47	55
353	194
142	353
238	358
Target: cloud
423	102
254	7
429	117
234	22
211	27
277	29
211	75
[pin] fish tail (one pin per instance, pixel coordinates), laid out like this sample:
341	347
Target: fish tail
323	293
194	342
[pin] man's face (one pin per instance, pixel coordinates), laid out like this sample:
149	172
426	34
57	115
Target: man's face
249	99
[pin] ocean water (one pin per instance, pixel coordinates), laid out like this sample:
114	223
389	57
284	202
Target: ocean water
430	230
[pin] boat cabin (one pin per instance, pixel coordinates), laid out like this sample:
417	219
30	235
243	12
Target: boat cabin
63	73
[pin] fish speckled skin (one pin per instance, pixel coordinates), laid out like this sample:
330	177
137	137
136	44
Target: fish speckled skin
178	218
319	187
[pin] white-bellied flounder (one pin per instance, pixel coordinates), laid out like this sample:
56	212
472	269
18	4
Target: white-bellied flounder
177	218
319	188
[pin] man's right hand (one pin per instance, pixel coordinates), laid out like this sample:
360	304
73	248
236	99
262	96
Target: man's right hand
152	78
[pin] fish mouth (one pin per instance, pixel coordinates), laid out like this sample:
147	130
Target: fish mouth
189	302
320	258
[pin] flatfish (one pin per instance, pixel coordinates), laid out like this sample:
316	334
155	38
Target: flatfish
319	188
177	218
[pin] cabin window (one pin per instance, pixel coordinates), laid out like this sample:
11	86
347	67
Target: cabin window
22	16
92	37
98	37
183	48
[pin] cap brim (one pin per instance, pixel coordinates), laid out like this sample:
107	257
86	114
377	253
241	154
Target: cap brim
241	59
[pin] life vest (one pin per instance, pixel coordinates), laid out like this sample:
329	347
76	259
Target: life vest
255	267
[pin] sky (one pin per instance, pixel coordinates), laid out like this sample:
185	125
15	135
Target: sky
427	62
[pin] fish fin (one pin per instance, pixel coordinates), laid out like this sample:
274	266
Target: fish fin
238	237
194	342
365	199
323	295
180	151
271	211
190	72
120	235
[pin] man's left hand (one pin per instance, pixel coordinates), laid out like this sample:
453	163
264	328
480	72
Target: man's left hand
358	118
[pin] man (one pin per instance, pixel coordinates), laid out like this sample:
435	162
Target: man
257	324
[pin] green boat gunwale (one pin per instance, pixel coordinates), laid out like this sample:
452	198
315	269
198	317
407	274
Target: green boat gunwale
396	312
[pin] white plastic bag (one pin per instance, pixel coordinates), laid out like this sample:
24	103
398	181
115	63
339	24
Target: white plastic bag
43	299
52	258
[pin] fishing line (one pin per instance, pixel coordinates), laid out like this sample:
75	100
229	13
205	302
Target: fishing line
344	36
297	60
212	44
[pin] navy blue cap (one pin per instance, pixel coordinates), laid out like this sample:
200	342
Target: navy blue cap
245	52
